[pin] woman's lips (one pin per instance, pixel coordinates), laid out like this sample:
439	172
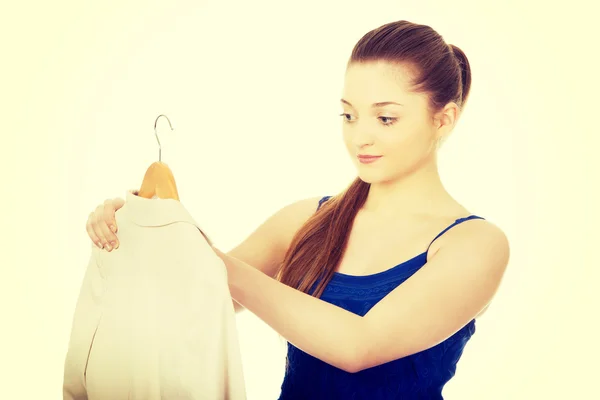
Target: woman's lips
368	159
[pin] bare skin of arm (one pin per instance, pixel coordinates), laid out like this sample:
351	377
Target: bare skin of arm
266	246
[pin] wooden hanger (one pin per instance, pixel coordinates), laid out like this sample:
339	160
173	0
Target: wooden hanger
159	180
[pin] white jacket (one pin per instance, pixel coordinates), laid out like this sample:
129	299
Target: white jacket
154	318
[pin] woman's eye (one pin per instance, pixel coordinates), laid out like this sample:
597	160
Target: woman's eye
387	121
345	116
390	120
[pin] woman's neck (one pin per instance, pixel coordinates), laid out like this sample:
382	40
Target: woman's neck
419	193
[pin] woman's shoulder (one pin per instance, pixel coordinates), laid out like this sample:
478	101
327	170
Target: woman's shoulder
295	214
266	246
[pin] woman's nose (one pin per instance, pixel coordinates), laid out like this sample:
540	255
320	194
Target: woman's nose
361	138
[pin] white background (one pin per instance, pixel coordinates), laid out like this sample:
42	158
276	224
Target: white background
252	90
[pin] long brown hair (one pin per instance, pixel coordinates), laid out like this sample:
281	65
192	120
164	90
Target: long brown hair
441	71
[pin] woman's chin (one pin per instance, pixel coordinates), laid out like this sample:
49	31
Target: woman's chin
369	176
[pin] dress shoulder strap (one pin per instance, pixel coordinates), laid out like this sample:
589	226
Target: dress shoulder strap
458	221
323	200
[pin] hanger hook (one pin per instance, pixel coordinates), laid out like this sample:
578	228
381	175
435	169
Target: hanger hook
156	134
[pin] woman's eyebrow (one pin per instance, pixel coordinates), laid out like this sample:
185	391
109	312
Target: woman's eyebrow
374	105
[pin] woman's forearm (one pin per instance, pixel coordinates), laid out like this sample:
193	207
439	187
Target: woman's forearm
322	330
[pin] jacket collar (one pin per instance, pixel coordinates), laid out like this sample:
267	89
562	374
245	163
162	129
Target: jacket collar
155	212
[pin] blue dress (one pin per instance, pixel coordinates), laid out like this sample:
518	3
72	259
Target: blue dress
418	376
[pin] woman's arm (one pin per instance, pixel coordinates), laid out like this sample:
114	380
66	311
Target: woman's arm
265	248
440	298
320	329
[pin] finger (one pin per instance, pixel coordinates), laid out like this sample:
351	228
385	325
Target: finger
109	216
107	224
91	234
117	204
110	240
100	228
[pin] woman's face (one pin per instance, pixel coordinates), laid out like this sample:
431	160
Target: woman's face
403	134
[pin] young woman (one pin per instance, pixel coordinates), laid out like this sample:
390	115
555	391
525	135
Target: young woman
375	289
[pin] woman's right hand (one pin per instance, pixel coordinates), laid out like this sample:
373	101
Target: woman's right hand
101	226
